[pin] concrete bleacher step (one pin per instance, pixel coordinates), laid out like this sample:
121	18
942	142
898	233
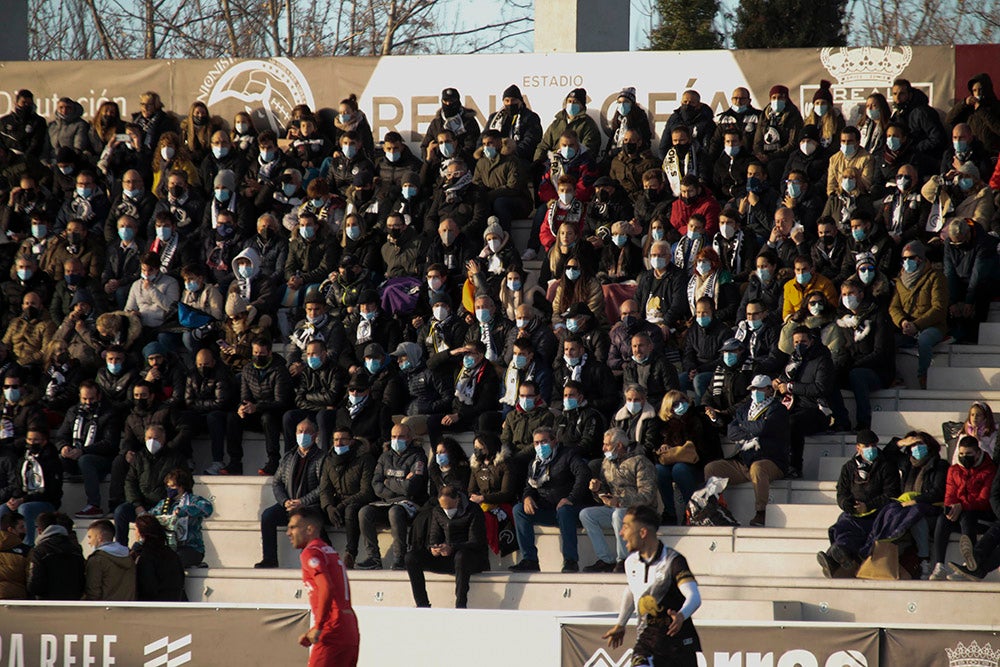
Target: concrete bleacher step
728	597
788	515
889	424
946	378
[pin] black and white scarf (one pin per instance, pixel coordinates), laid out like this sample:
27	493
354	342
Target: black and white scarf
730	251
32	477
453	192
501	117
706	288
686	251
676	167
454	123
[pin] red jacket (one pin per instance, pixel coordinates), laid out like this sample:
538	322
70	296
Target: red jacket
995	179
554	218
970	486
705	204
582	169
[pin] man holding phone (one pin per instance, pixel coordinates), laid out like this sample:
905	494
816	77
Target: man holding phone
456	540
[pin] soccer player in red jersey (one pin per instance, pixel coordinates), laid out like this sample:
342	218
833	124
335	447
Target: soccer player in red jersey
334	635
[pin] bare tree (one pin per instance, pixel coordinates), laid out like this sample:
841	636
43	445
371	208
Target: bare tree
924	22
113	29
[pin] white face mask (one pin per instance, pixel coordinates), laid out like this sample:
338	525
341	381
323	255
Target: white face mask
153	445
451	513
566	198
807	147
728	230
494	245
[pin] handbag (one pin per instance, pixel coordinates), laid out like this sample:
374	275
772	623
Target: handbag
686	453
883	563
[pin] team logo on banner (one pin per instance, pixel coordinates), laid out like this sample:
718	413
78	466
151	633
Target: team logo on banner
972	655
167	647
859	71
602	659
266	89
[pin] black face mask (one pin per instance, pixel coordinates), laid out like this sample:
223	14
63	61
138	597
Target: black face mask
631	149
176	191
652	193
512	109
199	120
828	240
603	196
450	108
143	403
395	233
260	360
74	238
682	149
30	313
967	461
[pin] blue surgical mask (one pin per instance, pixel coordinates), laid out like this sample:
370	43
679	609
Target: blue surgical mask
873	113
573	108
314	362
164	233
349	151
317	203
610	456
520	361
570	403
867	275
398	445
572	362
821	109
658	234
848	149
393	156
527	403
918	452
573	274
409	192
355	399
850	302
858	234
633	407
514	285
468	361
354	232
848	184
869	453
755	324
86	193
543	451
244	271
483	315
777	106
910	265
758	396
39	231
732	151
223	195
304	440
340	450
344	118
681	409
220	151
490	152
568	152
192	285
268	155
704	321
114	368
126	233
522	323
894	143
658	263
619	240
764	275
703	268
373	365
625	108
573	325
738	108
447	149
307	232
960	145
965	183
369	315
133	194
442	459
405	365
289	189
12	394
730	358
804	277
794	189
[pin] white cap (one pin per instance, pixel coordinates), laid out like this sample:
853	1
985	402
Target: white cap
760	382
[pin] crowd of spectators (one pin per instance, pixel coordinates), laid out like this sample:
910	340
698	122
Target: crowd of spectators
176	279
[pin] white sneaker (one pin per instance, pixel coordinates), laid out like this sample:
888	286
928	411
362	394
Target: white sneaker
940	573
528	255
214	468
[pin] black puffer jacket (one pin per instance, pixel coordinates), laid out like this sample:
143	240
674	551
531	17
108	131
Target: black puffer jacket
212	391
468	209
812	377
56	567
872	484
322	388
702	345
270	388
306	488
144	483
657	375
985	120
465	531
493	479
869	341
427	392
346	480
923	123
107	429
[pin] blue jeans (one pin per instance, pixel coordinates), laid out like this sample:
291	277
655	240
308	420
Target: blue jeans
564	517
30	512
863	382
94	468
699	385
595	521
924	342
687	478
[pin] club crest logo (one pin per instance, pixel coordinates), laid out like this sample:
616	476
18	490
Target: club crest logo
973	655
266	89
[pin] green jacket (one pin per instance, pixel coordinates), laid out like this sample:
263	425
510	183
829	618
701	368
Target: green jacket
585	127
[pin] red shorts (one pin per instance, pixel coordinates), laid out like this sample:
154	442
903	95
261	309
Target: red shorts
333	655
